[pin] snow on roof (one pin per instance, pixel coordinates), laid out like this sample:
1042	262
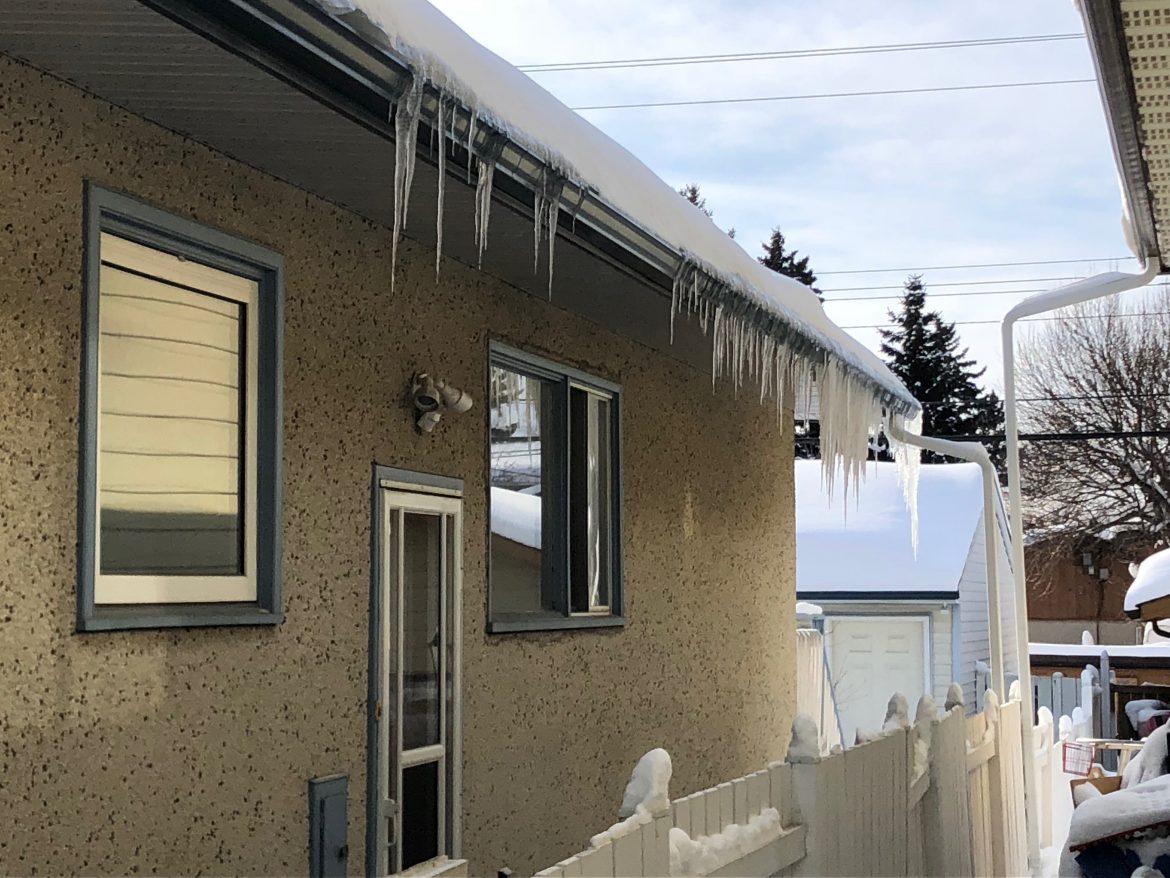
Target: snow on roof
1093	651
1152	581
510	101
861	542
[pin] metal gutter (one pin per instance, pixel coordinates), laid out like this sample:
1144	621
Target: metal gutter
1109	49
975	453
354	73
1081	291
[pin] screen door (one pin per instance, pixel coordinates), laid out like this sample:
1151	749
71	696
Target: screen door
419	709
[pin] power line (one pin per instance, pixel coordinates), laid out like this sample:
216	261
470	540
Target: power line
957	283
936	295
1083	436
973	265
952	295
839	94
783	54
1025	320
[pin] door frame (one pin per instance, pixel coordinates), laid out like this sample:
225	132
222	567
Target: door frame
384	479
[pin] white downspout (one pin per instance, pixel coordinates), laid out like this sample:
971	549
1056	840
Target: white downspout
975	452
1075	293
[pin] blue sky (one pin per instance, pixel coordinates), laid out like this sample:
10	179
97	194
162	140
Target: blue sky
981	177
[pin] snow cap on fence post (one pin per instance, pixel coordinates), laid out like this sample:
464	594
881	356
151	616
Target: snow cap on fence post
955	698
805	745
897	713
649	788
991	705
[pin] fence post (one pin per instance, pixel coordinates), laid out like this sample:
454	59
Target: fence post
1109	757
1057	705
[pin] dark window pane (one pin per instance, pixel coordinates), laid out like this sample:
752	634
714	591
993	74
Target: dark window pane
171	384
420	814
590	500
420	630
523	491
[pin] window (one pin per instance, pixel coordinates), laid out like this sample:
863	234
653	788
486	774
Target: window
180	456
554	496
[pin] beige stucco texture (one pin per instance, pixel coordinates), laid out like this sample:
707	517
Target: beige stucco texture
184	751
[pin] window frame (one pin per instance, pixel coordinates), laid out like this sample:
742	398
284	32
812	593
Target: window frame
565	378
113	213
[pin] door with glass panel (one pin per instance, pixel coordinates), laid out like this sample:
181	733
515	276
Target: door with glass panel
419	707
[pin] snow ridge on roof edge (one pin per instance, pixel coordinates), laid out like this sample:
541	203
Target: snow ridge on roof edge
772	316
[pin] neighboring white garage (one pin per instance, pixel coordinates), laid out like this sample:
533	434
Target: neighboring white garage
896	620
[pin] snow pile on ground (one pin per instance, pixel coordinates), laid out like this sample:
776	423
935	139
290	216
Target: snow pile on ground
1144	808
805	745
864	542
649	786
1152	761
1152	581
705	854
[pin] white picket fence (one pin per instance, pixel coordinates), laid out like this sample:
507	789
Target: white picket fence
874	809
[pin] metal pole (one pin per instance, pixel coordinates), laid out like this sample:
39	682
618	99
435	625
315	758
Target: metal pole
976	453
1073	294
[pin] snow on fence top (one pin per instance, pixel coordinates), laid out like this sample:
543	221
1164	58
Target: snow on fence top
764	326
862	542
1152	581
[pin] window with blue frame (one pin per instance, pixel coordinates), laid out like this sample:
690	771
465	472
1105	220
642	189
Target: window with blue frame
554	461
181	413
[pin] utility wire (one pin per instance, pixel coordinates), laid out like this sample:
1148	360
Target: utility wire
839	94
1083	436
924	268
934	296
784	54
1025	320
954	295
957	283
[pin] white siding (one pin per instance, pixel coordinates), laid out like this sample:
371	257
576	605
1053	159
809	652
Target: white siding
974	637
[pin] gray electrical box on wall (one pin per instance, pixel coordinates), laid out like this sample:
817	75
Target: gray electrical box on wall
328	845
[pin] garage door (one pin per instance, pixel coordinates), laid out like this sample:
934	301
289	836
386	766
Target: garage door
871	658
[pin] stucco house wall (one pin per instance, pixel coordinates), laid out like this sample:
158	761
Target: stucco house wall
180	751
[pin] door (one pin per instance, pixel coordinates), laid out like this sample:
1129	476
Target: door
418	710
871	658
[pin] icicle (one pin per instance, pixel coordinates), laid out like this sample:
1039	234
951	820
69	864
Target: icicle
442	187
537	223
483	204
909	461
470	143
405	136
554	215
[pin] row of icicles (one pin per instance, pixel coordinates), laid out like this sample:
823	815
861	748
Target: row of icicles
849	412
547	205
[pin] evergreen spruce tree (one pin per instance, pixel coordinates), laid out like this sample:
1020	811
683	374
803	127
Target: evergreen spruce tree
691	193
782	262
923	351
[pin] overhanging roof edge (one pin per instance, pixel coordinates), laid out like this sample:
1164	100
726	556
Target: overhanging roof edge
375	68
1105	32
